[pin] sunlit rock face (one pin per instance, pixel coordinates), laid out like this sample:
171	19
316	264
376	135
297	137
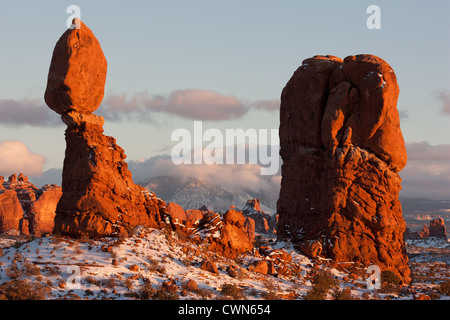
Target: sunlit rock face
342	149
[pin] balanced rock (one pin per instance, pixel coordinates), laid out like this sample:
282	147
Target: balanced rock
99	197
77	74
342	149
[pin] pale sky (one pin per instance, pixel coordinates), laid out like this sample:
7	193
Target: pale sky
237	54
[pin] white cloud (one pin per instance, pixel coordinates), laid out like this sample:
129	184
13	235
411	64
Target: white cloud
231	177
16	158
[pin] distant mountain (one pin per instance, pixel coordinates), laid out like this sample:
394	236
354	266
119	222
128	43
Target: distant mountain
193	193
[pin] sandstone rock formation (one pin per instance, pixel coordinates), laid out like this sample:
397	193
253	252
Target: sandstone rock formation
437	229
10	211
25	207
99	197
425	232
77	74
342	149
229	235
264	223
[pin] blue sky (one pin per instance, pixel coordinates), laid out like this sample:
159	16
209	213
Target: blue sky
246	49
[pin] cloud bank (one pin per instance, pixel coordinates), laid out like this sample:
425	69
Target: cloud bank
16	158
427	173
31	112
194	104
231	177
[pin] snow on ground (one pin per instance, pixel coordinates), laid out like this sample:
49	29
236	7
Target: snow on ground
143	265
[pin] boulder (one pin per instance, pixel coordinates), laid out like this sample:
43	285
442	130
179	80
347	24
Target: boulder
260	266
176	211
191	285
234	217
77	74
194	214
210	266
342	149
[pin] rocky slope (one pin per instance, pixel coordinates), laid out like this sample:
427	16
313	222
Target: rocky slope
158	264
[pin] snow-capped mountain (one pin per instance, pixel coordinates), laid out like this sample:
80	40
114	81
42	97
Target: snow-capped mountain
193	193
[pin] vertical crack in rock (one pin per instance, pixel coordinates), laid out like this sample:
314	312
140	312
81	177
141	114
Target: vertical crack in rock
342	149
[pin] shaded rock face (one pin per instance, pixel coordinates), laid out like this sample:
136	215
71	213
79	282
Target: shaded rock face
26	208
99	197
11	212
264	223
437	228
342	149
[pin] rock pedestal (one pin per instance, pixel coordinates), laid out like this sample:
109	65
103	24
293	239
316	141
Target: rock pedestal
99	197
342	149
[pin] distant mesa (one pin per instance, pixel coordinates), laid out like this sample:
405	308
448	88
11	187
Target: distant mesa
342	149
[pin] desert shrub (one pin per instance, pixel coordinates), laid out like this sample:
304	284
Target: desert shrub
13	271
23	290
111	282
444	287
322	281
232	291
128	284
162	294
270	295
390	282
146	291
390	278
30	269
204	293
344	294
92	280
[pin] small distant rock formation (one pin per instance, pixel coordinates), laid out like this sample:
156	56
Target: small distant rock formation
26	208
229	235
342	149
437	229
99	197
264	223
